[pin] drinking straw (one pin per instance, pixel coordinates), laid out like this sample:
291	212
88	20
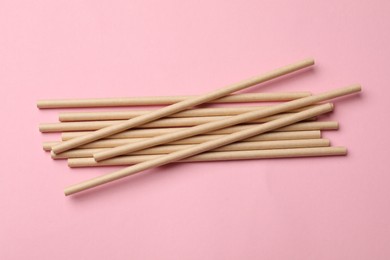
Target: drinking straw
180	106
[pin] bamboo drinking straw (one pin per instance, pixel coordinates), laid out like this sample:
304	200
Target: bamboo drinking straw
166	122
200	148
124	115
177	107
216	156
239	146
142	133
169	100
274	136
238	119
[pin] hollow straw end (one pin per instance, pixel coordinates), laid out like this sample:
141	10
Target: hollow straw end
358	87
41	128
70	162
53	155
326	141
342	150
60	147
328	107
39	104
305	63
354	88
103	155
46	146
44	103
67	192
98	157
309	61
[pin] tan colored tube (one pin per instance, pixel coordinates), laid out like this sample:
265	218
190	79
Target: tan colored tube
216	156
239	146
124	115
142	133
178	107
169	100
272	136
234	120
199	148
166	122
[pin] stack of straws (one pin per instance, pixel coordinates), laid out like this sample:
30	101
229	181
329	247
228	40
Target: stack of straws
180	132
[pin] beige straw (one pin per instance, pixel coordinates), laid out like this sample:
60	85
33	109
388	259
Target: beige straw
142	133
199	148
169	100
233	120
177	107
215	156
124	115
166	122
239	146
110	143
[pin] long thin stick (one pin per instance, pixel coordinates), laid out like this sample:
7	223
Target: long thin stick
124	115
177	107
197	149
238	119
273	136
166	122
239	146
216	156
167	100
142	133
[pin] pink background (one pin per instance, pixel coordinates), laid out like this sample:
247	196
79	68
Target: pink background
313	208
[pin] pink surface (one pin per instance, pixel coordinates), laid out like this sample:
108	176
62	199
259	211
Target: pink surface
316	208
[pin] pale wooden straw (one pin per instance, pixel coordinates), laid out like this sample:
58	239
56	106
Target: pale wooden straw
239	146
233	120
177	107
199	148
215	156
142	133
166	122
168	100
124	115
110	143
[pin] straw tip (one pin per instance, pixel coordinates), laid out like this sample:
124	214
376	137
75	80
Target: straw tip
39	104
356	87
70	163
359	87
57	149
98	157
53	154
67	192
328	106
310	61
